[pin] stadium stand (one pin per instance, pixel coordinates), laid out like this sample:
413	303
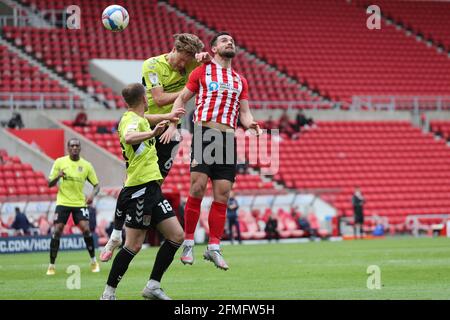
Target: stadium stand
340	58
28	83
441	128
68	51
19	181
179	175
426	18
400	170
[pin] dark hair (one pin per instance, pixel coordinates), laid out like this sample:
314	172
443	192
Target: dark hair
73	139
133	93
217	35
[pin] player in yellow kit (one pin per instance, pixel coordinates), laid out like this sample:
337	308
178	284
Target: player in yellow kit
164	77
72	172
141	199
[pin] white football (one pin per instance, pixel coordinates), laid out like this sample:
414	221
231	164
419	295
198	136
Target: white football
115	18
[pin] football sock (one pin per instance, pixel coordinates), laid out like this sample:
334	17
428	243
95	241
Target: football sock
216	221
120	266
54	246
163	259
89	240
191	216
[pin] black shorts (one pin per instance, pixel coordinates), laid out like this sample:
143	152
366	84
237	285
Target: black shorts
213	152
62	214
166	154
144	206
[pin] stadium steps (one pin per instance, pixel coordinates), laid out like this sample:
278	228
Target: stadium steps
418	19
18	179
249	55
90	102
35	20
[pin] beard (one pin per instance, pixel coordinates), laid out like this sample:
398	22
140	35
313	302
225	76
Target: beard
227	54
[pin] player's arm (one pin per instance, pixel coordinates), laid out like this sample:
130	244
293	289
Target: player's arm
163	98
179	104
93	194
136	137
173	116
186	94
93	180
55	174
246	117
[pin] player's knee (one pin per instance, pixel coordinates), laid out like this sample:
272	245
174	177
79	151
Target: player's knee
177	236
135	247
198	190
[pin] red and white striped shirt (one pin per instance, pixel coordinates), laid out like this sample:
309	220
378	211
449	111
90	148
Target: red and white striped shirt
219	92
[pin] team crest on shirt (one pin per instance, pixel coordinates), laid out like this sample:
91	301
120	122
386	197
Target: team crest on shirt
80	168
213	86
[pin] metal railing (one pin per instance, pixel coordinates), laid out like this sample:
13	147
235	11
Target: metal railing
315	105
398	103
65	100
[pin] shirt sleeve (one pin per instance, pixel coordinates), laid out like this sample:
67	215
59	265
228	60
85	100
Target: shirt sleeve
152	74
92	176
244	93
194	80
54	171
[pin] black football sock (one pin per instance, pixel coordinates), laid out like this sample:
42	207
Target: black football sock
120	266
54	246
89	240
163	259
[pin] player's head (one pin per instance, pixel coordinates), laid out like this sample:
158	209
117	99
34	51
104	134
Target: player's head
185	47
134	95
74	147
223	45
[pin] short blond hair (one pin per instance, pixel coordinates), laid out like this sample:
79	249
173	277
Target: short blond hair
188	43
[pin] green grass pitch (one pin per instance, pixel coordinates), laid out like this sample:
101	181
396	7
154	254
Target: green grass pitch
411	268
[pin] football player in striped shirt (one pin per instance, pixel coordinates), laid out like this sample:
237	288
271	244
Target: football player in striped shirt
222	98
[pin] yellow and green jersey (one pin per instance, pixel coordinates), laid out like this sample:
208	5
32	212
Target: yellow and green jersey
70	187
141	159
157	72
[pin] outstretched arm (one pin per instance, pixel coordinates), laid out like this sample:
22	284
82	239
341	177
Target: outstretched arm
246	117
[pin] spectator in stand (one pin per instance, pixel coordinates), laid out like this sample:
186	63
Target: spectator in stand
21	225
358	212
302	121
270	124
2	161
16	121
271	228
314	225
232	217
285	124
81	120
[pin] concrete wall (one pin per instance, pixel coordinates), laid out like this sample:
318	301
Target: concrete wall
116	73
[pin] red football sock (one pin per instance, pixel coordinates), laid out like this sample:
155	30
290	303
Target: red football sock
191	216
216	221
